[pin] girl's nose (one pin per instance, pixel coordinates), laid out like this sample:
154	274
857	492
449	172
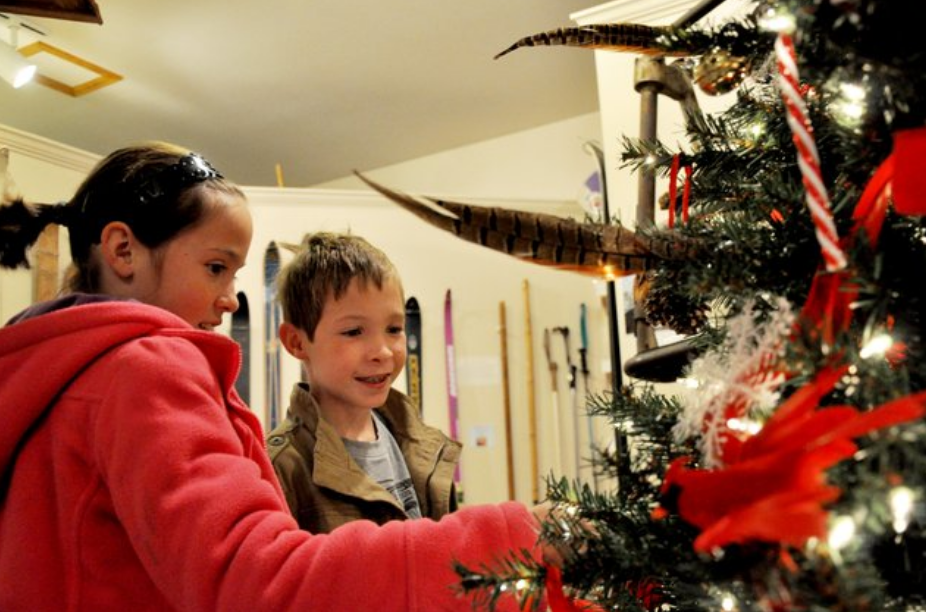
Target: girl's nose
228	301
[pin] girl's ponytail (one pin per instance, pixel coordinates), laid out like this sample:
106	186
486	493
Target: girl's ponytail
20	226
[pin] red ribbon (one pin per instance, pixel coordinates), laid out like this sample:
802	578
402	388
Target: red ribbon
559	601
910	181
673	190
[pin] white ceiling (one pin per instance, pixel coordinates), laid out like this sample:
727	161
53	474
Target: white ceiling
320	87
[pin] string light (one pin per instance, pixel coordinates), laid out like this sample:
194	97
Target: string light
850	106
610	272
841	532
877	345
689	383
777	19
900	499
745	425
727	604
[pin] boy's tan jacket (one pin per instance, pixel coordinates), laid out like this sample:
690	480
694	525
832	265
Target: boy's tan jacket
326	488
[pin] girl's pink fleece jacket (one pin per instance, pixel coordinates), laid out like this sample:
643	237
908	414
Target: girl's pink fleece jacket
133	478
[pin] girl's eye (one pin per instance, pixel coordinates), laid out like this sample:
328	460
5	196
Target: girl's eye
397	329
216	268
356	331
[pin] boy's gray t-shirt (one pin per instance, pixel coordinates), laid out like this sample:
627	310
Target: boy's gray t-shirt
383	462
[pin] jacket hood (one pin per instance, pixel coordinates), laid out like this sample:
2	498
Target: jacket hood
41	355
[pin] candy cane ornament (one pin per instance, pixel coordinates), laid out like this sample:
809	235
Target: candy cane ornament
807	159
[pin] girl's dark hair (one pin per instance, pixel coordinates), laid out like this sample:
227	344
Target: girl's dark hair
155	188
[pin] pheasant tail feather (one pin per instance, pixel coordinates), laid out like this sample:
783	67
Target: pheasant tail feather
592	249
624	37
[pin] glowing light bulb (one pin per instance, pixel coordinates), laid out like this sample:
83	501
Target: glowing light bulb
777	20
852	91
876	346
841	532
727	604
749	426
900	499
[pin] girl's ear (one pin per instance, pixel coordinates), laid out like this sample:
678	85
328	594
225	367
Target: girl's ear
294	340
119	249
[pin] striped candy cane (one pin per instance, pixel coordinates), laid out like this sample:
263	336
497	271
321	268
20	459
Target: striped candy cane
807	157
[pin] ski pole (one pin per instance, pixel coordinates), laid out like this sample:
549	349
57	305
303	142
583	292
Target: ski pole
583	363
573	397
554	370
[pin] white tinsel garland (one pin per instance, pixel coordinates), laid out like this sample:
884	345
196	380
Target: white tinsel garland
739	372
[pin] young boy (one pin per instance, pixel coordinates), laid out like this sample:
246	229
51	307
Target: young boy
351	447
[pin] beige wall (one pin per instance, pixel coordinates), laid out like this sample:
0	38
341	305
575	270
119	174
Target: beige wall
540	164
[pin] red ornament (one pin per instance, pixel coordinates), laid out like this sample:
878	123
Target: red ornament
909	181
559	601
776	491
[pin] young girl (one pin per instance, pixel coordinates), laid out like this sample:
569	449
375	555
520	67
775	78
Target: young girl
132	477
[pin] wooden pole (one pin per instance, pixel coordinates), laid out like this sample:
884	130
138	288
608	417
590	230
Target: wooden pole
503	333
531	398
45	251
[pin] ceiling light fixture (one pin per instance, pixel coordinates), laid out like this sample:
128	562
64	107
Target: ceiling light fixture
13	67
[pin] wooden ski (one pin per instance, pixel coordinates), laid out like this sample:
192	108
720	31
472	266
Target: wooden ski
531	397
241	333
452	395
509	443
272	317
413	356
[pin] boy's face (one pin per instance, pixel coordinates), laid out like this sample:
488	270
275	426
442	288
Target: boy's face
359	348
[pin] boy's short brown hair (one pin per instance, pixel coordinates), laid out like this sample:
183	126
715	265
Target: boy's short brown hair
324	265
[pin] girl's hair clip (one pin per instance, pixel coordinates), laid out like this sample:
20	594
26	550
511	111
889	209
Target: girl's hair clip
191	169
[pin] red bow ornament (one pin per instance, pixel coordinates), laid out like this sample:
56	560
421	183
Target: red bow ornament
776	490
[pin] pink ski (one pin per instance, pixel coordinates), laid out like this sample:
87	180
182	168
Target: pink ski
452	389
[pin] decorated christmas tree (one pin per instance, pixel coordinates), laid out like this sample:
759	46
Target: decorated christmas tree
791	472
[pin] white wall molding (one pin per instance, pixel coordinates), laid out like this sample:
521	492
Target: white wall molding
653	12
47	150
634	11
